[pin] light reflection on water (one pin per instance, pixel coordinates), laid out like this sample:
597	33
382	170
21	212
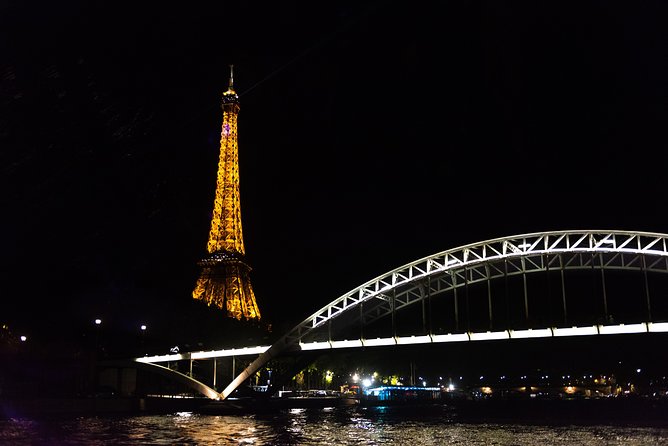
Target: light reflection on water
331	426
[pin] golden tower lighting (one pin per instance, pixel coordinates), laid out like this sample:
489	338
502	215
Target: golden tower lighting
224	279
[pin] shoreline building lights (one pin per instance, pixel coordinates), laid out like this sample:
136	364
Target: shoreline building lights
224	279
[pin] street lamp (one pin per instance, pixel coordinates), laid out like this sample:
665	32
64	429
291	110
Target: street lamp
142	327
97	333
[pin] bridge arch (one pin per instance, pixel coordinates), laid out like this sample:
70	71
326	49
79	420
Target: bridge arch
447	270
157	369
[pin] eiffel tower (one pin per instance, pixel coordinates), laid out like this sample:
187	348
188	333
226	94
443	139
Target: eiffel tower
224	279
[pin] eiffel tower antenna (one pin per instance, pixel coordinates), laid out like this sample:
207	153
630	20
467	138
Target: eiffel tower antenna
231	85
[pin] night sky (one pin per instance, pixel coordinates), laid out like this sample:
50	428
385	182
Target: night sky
371	134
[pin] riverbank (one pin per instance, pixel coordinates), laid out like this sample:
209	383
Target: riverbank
38	407
623	411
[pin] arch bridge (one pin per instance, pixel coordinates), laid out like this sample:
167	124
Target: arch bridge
592	282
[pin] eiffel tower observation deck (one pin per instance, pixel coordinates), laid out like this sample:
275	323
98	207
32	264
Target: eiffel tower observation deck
224	279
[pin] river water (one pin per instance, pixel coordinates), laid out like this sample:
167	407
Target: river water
322	426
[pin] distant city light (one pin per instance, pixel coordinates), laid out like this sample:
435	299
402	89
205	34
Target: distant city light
143	327
23	338
366	382
98	321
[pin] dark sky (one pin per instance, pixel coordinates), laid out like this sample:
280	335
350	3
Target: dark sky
371	134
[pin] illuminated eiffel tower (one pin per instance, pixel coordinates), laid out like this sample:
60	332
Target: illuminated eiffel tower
224	279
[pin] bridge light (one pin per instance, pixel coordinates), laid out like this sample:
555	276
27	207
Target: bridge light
623	329
450	337
378	342
657	326
315	345
524	245
490	335
342	344
530	333
414	339
576	331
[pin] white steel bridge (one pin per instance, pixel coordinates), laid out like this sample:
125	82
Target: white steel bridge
349	320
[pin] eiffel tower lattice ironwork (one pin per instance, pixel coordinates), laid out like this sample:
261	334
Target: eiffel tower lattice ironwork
224	279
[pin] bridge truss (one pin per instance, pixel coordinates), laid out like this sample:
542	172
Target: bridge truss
483	262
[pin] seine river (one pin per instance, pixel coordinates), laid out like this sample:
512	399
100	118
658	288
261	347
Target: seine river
322	426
